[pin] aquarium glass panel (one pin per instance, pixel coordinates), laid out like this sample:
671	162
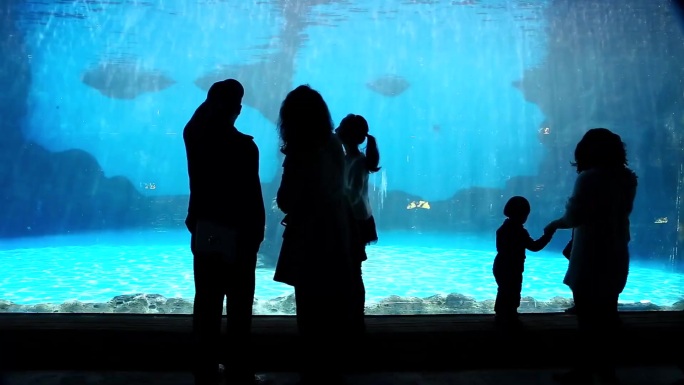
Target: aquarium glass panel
471	102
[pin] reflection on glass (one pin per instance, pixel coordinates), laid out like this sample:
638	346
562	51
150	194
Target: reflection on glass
471	101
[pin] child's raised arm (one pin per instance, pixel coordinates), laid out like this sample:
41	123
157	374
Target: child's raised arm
537	245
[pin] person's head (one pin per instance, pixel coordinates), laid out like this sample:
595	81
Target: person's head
600	148
304	122
517	209
353	131
225	97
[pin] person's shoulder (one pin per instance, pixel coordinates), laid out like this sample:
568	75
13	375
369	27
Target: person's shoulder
590	177
334	143
631	177
334	148
605	176
190	129
358	164
523	231
503	228
246	140
242	136
591	173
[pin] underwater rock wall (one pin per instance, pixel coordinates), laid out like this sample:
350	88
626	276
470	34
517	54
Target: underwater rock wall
45	192
619	67
394	305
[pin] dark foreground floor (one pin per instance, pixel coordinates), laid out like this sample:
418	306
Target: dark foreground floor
406	343
628	376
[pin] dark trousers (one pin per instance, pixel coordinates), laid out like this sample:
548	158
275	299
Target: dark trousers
357	337
508	292
358	303
3	360
324	329
361	233
215	279
598	322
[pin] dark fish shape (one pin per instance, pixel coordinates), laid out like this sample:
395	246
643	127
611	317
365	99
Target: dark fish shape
124	80
266	83
389	85
268	80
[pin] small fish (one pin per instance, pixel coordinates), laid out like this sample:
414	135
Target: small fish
418	205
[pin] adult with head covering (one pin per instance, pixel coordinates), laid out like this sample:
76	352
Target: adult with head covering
226	218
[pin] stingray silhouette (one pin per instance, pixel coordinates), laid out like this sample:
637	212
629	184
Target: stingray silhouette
266	83
268	80
389	85
124	80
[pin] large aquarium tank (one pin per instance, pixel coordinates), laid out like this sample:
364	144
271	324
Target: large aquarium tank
471	101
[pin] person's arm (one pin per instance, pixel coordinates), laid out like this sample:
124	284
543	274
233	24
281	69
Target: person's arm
255	196
500	241
537	245
568	249
578	207
190	140
294	186
283	199
354	185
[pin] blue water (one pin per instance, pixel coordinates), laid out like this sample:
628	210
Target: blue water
459	110
459	124
96	267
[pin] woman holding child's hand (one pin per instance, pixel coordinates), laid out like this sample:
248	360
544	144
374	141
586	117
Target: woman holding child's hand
598	212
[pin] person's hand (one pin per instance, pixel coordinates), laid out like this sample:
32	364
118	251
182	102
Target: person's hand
549	231
551	228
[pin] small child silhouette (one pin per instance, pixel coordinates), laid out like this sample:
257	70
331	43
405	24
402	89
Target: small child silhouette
512	239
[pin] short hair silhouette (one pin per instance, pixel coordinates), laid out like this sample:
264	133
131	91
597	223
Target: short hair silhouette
228	92
517	207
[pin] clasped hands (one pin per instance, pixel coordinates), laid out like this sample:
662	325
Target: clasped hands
551	228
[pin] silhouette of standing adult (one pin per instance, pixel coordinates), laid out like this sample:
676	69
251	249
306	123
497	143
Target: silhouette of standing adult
598	212
315	255
226	218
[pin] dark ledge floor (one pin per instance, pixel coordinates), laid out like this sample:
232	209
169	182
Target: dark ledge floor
443	343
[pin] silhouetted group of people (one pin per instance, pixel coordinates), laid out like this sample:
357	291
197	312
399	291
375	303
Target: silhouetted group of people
328	223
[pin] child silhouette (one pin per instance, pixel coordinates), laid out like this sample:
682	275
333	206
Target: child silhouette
512	239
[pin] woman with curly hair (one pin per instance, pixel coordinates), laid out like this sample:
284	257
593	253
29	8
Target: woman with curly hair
315	255
598	212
